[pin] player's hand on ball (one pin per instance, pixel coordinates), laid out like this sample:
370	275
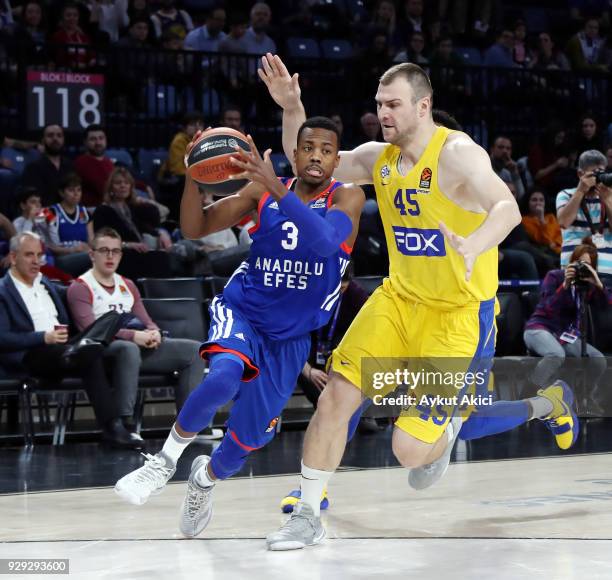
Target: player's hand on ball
190	145
254	167
462	246
283	88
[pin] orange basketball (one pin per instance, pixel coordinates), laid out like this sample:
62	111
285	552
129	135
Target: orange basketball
209	164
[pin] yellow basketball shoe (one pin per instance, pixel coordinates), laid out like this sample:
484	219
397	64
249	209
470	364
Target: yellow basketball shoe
563	421
290	501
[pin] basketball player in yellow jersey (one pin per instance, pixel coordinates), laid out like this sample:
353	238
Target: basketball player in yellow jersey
444	211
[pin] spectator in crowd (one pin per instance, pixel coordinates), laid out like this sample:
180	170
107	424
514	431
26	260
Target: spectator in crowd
137	37
173	69
111	16
414	52
370	126
139	9
585	210
505	166
175	164
581	9
376	59
230	117
543	230
6	16
93	166
7	231
499	54
34	336
70	32
553	330
169	18
447	71
589	136
547	56
139	346
463	16
586	49
520	51
236	42
383	22
548	156
45	174
32	218
29	36
207	37
412	19
516	258
69	229
256	38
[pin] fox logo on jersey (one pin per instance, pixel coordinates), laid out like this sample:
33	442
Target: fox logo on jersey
425	181
417	242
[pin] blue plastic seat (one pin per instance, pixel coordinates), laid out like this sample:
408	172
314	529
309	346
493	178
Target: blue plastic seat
120	156
336	49
298	47
149	162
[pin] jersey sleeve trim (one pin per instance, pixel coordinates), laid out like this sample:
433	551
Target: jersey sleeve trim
251	371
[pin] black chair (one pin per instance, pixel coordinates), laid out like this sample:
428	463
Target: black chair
155	264
213	285
369	283
180	317
510	324
10	387
172	288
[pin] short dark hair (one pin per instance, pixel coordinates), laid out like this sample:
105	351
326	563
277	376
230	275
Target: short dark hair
319	123
70	180
445	119
105	233
26	193
586	247
92	128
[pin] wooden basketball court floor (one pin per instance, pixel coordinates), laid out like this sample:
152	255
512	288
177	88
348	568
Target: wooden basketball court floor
538	518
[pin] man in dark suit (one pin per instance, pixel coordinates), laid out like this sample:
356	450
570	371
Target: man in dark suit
34	336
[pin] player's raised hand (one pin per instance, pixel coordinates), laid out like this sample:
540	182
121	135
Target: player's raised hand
462	246
283	88
254	167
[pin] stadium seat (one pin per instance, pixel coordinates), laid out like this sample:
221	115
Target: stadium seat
213	285
281	164
180	317
172	288
17	158
135	265
120	156
471	56
303	47
369	283
336	49
357	10
161	100
149	162
211	104
510	323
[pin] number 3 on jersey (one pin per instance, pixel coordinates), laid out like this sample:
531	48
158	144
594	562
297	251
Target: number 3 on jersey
292	236
398	202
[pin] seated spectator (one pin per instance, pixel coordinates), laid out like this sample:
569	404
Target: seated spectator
414	52
499	54
45	174
585	210
69	229
34	337
375	60
137	37
383	21
521	53
370	126
548	156
139	9
169	19
547	56
29	36
70	32
206	38
172	66
586	49
175	164
413	19
589	136
7	231
93	166
32	218
139	346
111	16
236	42
543	230
232	117
505	166
553	330
516	259
256	37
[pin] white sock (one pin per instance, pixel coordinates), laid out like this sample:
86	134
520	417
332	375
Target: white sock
202	477
540	407
450	432
312	484
174	446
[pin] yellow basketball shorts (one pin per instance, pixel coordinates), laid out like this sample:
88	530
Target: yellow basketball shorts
392	334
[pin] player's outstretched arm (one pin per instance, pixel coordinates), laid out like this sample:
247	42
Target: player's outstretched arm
355	166
467	165
323	234
197	221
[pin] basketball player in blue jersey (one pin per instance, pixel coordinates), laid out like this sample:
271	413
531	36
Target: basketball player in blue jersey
259	338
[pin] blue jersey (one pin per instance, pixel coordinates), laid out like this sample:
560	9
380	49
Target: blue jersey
285	289
69	230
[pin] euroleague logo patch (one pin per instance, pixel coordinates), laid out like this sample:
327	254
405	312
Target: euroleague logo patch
425	181
385	173
272	425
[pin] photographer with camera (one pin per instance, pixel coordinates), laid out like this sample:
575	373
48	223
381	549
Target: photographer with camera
587	211
554	330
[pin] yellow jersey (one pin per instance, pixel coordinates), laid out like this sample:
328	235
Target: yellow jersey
423	267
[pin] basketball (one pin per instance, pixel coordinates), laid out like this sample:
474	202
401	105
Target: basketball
209	164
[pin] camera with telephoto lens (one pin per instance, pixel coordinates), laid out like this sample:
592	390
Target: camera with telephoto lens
583	273
604	177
